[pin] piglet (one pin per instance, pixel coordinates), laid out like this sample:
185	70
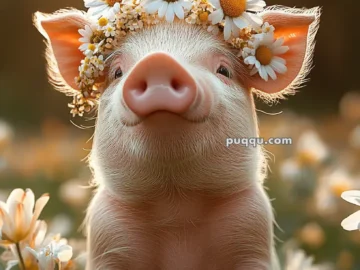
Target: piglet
170	195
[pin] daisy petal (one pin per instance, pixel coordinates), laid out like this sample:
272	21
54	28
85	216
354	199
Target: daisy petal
98	10
279	42
240	22
281	50
162	9
186	4
351	223
263	74
227	28
216	16
92	3
250	60
352	196
280	60
257	6
234	29
271	72
178	10
215	3
152	7
278	67
170	13
253	19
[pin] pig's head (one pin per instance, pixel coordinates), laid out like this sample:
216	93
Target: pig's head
173	94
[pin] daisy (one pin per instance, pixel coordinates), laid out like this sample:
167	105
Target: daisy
237	14
86	38
168	8
352	222
102	7
110	31
265	58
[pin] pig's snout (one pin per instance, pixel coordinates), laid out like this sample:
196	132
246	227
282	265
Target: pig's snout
159	83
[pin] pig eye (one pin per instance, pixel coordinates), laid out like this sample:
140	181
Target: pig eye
118	73
224	71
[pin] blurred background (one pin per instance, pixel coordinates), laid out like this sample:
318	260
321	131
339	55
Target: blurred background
41	148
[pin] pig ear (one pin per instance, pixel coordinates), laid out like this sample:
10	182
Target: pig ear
298	27
63	55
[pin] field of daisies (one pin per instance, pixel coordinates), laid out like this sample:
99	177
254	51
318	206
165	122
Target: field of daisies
313	183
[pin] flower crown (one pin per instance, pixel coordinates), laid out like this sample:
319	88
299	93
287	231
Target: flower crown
112	20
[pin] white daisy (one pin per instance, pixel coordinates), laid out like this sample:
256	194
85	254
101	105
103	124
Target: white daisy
98	62
352	222
265	58
110	31
168	8
87	35
102	7
266	28
237	14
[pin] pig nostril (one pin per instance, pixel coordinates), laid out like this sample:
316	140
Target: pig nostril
176	85
142	86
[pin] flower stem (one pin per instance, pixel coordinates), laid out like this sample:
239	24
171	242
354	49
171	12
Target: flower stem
21	259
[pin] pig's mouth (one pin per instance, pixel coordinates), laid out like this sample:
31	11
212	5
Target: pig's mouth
164	118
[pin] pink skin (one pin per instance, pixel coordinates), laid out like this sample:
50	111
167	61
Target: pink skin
159	82
170	194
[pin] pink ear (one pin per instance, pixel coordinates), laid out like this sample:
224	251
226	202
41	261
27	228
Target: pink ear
298	27
64	57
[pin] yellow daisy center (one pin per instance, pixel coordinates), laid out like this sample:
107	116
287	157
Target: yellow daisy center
233	8
111	3
92	47
171	1
264	55
103	21
204	16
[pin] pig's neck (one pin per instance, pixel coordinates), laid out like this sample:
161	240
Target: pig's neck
222	174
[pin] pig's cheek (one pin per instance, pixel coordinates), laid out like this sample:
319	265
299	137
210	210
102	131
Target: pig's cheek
119	108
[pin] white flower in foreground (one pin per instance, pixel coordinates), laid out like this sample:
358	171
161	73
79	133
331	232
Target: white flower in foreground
331	186
266	59
56	252
236	14
297	260
167	8
36	240
18	216
352	222
102	7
